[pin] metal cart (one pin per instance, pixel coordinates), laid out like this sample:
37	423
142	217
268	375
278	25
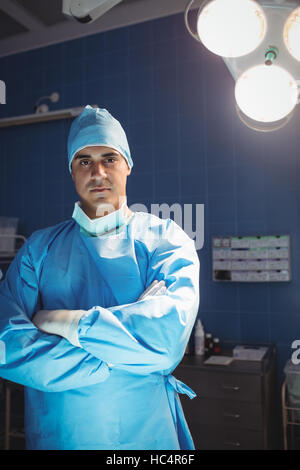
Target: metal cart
14	422
7	256
290	421
11	430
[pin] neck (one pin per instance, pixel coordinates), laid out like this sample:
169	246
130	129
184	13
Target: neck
104	209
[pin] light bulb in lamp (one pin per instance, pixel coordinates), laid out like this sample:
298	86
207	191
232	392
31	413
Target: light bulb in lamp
291	33
266	93
231	28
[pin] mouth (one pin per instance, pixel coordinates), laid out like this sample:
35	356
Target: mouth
99	190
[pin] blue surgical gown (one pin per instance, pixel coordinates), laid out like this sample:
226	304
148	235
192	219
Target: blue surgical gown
117	391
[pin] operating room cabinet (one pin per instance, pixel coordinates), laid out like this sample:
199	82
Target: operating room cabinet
235	407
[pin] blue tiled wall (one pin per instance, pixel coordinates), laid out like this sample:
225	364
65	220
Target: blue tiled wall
175	101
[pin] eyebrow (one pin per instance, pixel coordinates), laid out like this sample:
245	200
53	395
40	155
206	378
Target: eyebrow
108	154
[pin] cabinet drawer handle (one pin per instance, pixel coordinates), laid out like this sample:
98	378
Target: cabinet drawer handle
231	415
236	388
235	444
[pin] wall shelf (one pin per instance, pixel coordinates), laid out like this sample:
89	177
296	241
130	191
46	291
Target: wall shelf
42	117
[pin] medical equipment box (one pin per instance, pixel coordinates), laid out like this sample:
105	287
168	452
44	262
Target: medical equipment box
249	353
8	229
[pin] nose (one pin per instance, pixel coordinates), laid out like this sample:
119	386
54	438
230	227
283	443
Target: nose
99	170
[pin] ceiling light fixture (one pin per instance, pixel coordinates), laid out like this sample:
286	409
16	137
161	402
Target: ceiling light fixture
260	44
291	33
231	28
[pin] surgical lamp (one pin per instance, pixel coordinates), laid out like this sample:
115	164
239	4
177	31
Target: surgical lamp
260	44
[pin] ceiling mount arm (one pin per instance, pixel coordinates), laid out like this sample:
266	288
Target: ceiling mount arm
186	21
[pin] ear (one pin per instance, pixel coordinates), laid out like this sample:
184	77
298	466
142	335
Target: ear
128	168
72	175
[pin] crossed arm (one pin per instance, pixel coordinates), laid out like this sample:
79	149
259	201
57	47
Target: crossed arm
149	335
65	322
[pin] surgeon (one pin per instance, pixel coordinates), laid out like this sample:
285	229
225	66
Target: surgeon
96	312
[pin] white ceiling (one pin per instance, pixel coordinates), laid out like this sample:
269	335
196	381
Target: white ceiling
29	24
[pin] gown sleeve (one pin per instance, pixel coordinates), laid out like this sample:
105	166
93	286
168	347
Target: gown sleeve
150	335
27	356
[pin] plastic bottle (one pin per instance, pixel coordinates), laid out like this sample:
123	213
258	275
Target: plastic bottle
211	348
208	345
199	339
217	348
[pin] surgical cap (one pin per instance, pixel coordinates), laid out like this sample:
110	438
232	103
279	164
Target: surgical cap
95	126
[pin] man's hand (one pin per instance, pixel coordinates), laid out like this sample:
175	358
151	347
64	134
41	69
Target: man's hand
59	322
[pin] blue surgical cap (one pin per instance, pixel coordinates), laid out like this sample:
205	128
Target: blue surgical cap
95	126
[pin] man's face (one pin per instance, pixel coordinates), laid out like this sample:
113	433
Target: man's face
100	175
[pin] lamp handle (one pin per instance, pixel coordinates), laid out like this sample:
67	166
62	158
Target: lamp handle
257	126
186	21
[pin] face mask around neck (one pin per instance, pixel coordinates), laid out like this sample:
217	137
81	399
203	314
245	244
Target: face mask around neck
100	225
